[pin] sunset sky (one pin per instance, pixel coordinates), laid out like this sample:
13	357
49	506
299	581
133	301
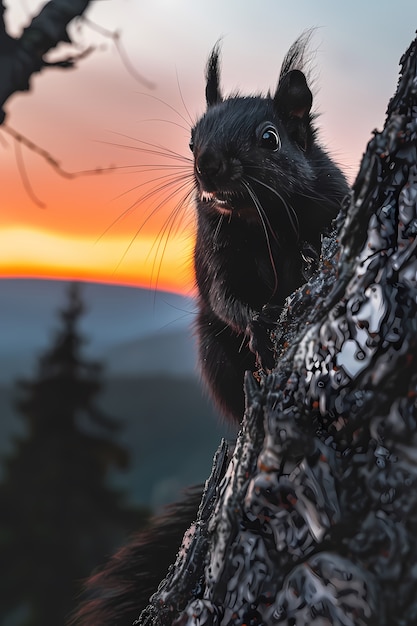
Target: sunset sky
111	227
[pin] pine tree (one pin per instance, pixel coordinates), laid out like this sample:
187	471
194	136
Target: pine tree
59	518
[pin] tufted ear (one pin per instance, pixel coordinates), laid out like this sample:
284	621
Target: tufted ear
213	94
293	97
293	100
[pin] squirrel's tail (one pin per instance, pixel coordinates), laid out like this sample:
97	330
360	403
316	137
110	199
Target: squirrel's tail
116	594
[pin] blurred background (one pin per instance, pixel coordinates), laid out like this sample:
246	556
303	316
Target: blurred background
102	417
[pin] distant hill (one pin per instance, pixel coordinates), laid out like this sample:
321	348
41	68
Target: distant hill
116	318
165	352
169	428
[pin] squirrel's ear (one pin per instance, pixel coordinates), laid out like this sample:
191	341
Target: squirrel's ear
213	94
293	97
293	100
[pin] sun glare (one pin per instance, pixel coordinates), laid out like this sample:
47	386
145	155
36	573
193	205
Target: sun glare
163	264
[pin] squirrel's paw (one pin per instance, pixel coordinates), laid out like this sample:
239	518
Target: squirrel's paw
260	343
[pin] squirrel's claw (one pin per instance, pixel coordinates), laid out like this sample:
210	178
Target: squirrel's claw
260	343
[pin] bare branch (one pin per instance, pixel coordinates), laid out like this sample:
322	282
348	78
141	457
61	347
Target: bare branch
46	156
25	179
20	58
115	37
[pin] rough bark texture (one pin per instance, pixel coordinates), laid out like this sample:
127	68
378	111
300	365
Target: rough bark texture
312	518
20	58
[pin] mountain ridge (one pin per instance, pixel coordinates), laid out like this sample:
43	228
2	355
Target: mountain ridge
115	316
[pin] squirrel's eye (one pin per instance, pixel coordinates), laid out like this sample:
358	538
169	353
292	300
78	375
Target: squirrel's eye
191	144
270	138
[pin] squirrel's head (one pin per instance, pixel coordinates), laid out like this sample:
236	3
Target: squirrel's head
243	138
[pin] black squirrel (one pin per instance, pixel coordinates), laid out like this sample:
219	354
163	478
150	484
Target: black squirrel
265	192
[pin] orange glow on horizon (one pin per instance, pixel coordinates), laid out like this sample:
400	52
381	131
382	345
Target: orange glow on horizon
30	253
124	226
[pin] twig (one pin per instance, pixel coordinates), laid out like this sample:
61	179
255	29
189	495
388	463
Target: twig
46	156
115	37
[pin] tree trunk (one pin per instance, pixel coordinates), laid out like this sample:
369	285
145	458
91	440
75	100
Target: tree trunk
312	518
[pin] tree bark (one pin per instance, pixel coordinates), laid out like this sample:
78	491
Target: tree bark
20	58
312	518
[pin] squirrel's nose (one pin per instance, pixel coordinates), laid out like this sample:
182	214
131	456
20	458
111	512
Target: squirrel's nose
209	164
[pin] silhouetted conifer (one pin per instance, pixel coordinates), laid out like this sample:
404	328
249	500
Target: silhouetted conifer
59	517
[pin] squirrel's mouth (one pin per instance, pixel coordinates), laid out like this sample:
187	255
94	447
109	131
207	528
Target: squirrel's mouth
225	201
